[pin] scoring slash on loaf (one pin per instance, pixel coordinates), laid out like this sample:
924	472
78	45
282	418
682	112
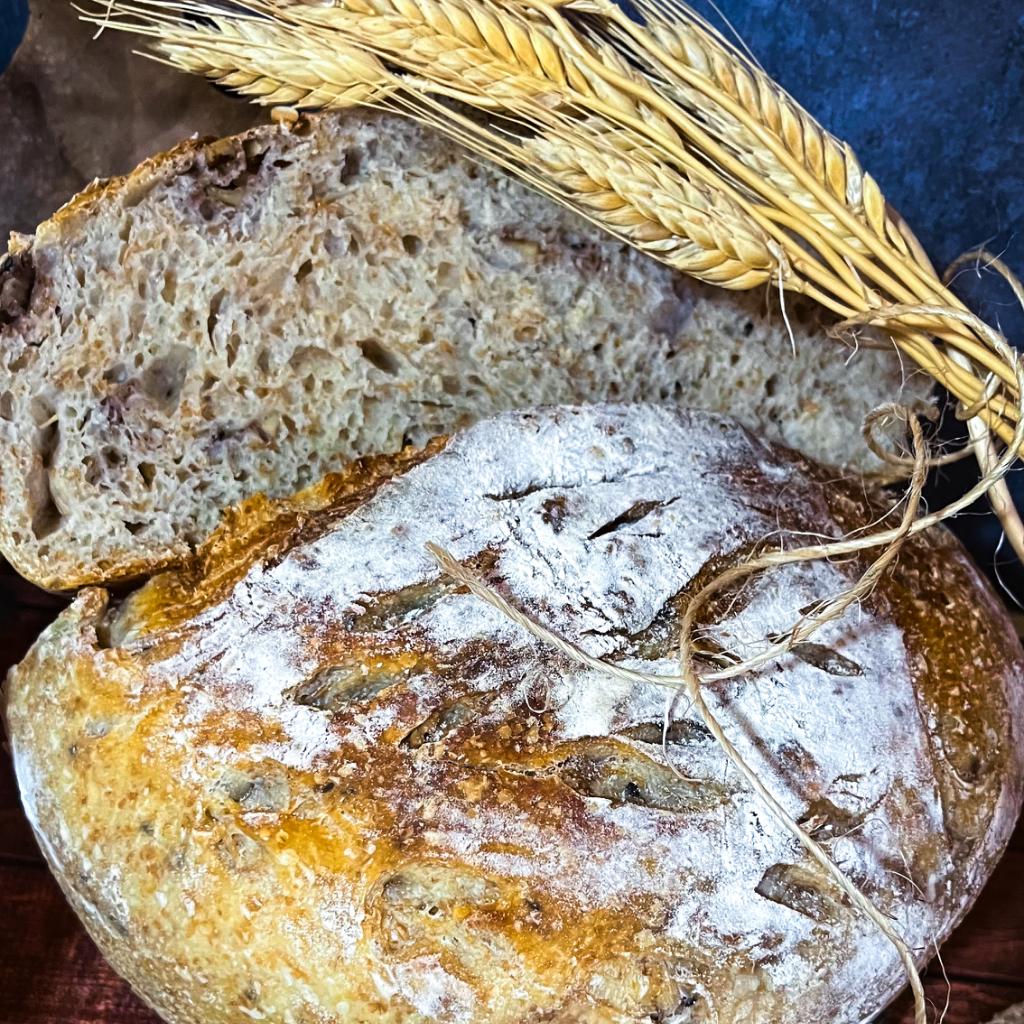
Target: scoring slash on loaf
241	316
305	778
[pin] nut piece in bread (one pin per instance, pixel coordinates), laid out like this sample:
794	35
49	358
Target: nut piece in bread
307	779
241	316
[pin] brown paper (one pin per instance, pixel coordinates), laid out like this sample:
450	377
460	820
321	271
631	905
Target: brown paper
73	108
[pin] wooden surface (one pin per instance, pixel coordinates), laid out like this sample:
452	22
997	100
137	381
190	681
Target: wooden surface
50	973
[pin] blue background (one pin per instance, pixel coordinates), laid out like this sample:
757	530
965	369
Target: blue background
931	95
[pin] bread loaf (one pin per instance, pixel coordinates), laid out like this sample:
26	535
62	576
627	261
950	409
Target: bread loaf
305	779
240	316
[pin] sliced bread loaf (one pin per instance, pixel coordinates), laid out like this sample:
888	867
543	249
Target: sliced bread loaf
240	316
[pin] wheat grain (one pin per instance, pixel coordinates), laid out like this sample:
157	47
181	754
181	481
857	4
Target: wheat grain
487	55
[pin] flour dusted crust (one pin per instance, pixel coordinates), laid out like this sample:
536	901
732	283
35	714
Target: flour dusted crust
306	780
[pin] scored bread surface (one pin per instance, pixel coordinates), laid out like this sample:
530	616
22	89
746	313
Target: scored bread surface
306	779
241	316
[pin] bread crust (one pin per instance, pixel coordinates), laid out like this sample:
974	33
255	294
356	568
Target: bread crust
304	779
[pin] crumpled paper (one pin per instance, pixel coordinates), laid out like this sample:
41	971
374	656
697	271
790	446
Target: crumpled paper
74	108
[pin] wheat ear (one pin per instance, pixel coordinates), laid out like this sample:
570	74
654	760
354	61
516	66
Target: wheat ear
697	63
266	62
680	222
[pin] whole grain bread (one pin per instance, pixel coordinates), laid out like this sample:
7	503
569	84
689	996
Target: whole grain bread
305	778
240	316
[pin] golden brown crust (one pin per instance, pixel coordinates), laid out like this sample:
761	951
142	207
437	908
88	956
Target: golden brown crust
959	639
338	789
262	529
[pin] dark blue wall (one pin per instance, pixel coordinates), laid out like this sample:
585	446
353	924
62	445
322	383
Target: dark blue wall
13	18
928	93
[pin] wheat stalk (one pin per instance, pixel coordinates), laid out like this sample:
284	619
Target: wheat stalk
491	55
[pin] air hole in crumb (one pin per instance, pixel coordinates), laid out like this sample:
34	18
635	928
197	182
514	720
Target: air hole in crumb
170	289
446	274
354	247
148	473
43	416
412	244
134	528
734	358
375	353
7	406
231	352
304	271
126	229
426	336
213	315
164	378
19	363
263	361
748	328
46	517
351	165
770	385
114	458
206	210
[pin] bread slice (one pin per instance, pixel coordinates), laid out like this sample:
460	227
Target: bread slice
240	316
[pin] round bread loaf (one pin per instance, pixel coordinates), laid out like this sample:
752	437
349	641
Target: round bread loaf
308	780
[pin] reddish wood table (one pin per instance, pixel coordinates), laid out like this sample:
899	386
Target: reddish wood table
50	973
